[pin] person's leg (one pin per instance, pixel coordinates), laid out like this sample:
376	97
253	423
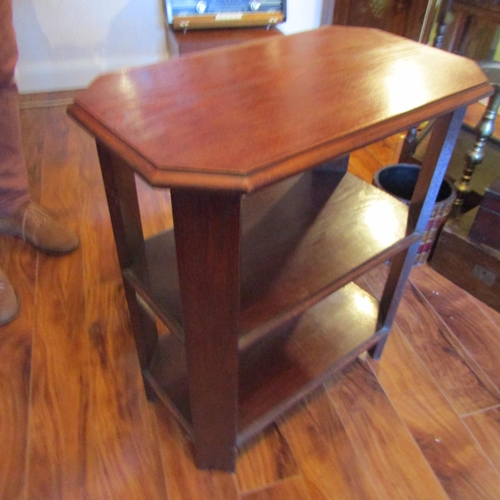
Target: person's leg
13	176
19	216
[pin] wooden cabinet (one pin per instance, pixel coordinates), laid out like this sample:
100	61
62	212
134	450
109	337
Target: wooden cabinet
256	280
473	28
409	18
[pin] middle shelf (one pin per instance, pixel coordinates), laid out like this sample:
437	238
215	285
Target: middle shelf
302	239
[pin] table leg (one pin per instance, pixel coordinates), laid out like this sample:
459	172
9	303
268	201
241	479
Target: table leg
121	194
444	135
207	236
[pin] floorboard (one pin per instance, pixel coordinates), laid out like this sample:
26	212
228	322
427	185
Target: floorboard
125	459
19	263
285	490
326	456
59	403
184	481
461	378
485	426
469	323
265	460
389	453
457	460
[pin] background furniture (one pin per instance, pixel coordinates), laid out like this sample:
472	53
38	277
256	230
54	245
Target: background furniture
473	27
409	18
483	130
468	249
255	282
234	31
473	266
486	226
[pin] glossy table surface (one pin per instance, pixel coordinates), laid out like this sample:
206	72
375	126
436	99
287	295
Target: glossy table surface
242	117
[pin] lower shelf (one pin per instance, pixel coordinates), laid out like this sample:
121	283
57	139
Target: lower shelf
282	368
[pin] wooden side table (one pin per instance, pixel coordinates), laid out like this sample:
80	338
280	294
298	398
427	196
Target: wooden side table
255	282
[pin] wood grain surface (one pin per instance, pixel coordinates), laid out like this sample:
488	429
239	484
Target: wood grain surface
274	95
485	427
470	389
291	488
437	429
265	460
326	456
124	455
462	314
19	263
60	381
75	425
399	469
184	480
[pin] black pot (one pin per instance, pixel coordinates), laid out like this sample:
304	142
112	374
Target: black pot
400	180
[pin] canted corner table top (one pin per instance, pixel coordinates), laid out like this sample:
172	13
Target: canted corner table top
245	116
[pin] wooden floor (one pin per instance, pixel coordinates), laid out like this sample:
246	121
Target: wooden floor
424	422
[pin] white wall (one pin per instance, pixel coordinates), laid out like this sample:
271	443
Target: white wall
64	44
302	15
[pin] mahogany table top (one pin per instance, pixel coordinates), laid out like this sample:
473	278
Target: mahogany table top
245	116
